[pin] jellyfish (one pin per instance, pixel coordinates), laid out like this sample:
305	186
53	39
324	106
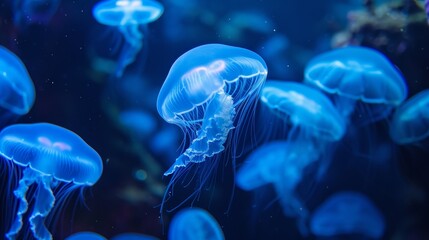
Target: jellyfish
86	236
410	123
193	224
133	236
52	159
139	122
17	90
427	10
128	16
348	213
34	11
282	164
206	88
354	75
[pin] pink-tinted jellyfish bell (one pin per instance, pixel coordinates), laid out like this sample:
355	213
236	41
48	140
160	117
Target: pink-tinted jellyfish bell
51	157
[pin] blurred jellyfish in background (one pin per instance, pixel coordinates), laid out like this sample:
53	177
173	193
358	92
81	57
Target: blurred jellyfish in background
52	159
347	214
166	143
138	122
410	123
34	11
275	52
128	16
133	236
427	9
360	80
17	90
282	164
85	236
194	224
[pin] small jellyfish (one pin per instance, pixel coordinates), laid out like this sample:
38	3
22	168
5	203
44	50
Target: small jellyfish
133	236
34	11
410	123
17	90
194	224
308	111
52	159
348	213
86	236
282	164
427	10
128	16
139	122
354	75
206	88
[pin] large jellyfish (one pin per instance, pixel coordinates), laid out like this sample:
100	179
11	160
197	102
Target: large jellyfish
206	88
348	213
34	11
194	224
410	123
358	75
17	90
128	16
52	159
86	236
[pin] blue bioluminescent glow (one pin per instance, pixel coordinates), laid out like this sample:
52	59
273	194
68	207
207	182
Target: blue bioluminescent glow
86	236
48	155
410	122
31	11
133	236
348	213
194	224
139	122
206	88
17	90
128	16
361	74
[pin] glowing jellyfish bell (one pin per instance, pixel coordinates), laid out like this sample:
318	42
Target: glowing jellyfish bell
194	224
309	112
358	75
348	213
49	155
17	90
128	16
410	123
86	236
206	88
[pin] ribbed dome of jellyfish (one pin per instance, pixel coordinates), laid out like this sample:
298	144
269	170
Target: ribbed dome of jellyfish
51	157
206	89
17	90
194	224
354	75
30	11
282	164
86	236
128	16
346	214
410	123
309	113
133	236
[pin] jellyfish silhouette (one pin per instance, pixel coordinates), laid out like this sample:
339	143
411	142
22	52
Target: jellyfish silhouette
206	88
34	11
348	213
51	158
193	224
309	113
427	10
282	164
410	123
133	236
358	75
128	16
17	90
86	236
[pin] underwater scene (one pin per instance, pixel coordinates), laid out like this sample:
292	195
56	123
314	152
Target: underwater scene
210	120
